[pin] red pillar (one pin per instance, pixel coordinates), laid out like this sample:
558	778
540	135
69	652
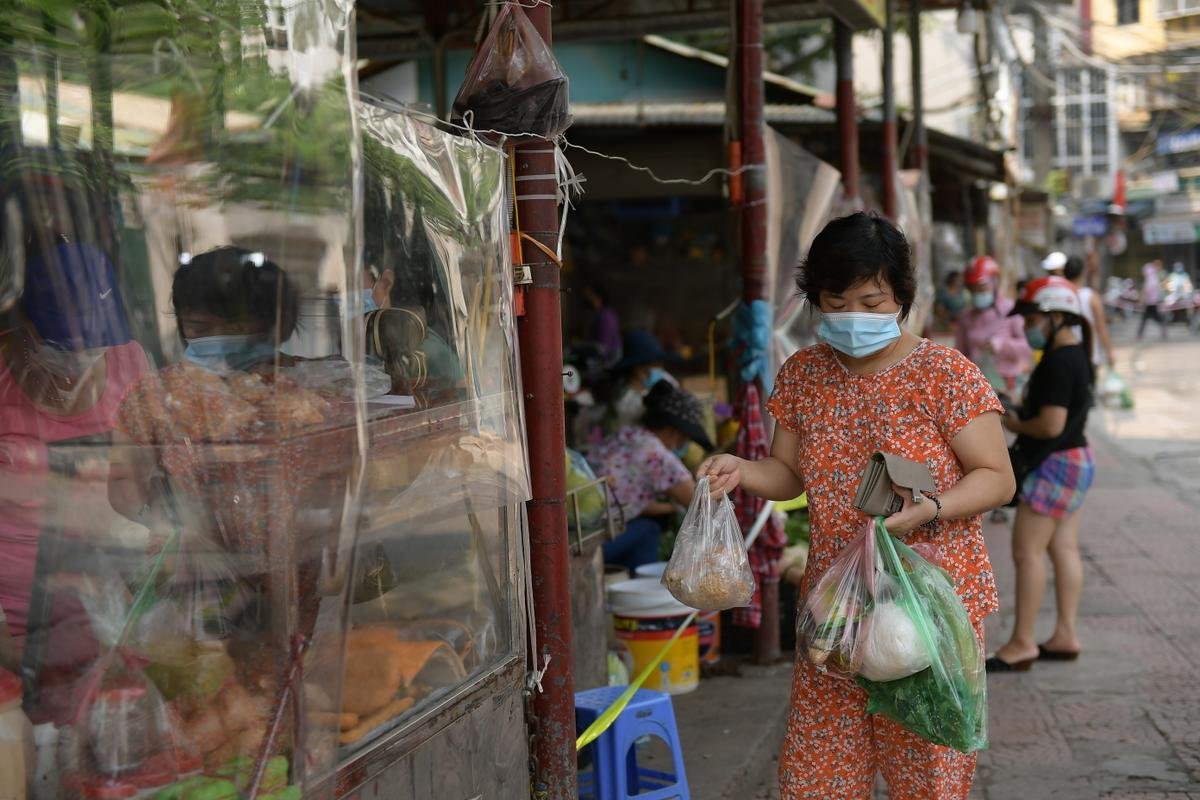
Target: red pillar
889	112
847	110
540	332
753	213
753	233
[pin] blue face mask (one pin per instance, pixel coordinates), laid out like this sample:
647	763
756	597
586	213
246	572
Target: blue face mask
368	301
982	300
1036	338
231	353
656	374
858	334
682	450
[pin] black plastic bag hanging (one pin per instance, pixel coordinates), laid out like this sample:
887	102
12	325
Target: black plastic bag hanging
514	84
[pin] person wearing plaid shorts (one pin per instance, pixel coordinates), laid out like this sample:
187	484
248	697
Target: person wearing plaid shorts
1051	423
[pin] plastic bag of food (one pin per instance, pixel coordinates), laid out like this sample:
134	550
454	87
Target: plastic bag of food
590	501
514	84
1115	392
945	702
709	569
831	629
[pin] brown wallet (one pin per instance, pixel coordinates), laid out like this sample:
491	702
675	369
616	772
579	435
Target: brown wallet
875	495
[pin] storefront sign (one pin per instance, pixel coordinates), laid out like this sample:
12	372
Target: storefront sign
1169	232
1090	225
1179	142
1165	182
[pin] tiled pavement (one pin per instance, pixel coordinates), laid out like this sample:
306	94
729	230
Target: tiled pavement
1123	721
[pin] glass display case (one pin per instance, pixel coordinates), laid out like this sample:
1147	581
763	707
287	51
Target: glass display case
261	454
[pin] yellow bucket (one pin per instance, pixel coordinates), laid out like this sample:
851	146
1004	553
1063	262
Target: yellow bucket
645	617
644	637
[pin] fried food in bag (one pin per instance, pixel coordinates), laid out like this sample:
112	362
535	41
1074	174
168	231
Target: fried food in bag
709	569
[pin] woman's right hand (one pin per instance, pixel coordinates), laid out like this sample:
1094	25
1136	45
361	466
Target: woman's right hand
724	473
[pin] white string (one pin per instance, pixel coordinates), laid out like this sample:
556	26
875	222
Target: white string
668	181
532	4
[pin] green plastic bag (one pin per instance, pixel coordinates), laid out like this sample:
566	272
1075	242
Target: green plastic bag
945	703
591	501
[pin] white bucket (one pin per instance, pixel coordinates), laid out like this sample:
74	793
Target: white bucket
652	570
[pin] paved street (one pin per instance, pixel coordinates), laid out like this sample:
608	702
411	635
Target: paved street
1122	722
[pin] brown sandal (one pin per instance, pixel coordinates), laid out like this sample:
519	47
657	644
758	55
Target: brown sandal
997	664
1046	654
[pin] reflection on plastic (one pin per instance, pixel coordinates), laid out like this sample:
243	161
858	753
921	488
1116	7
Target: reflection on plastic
162	525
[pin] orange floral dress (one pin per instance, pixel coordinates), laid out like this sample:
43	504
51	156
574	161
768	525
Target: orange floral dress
914	409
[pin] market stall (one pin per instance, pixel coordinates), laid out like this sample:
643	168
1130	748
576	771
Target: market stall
260	428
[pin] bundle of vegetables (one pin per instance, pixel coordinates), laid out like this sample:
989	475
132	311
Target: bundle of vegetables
831	631
923	666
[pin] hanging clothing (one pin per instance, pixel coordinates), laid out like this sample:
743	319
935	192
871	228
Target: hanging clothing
767	550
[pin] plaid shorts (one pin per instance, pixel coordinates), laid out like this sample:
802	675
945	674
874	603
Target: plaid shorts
1057	487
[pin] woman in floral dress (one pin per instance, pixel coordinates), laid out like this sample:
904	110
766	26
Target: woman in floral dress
869	386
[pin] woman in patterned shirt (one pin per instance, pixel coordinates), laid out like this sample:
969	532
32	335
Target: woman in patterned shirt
870	386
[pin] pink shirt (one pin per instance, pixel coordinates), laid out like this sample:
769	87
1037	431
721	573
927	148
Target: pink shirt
641	467
1010	355
25	430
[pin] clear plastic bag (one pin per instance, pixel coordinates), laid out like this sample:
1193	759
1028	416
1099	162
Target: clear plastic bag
1114	391
514	84
709	569
945	703
831	629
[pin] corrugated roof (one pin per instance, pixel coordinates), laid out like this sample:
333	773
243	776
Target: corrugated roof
685	113
686	51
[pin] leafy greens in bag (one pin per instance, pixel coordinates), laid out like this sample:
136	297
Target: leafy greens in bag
945	703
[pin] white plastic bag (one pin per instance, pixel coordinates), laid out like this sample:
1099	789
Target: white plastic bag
709	569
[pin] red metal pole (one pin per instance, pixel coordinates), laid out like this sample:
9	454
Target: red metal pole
540	332
750	132
847	110
889	112
753	230
1085	26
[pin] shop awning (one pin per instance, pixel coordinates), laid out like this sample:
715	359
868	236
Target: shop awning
398	29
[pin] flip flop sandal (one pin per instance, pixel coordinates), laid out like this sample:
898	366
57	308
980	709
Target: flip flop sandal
1046	654
997	664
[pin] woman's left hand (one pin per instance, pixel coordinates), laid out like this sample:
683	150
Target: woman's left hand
912	516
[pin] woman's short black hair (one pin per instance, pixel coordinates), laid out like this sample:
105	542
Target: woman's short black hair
951	277
856	248
234	284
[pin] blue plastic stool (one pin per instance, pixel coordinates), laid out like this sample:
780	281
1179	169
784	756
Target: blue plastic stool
615	773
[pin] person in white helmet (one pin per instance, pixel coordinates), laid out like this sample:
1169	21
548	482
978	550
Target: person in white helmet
1055	263
1054	470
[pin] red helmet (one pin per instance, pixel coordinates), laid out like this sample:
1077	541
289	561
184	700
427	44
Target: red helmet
981	270
1051	293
